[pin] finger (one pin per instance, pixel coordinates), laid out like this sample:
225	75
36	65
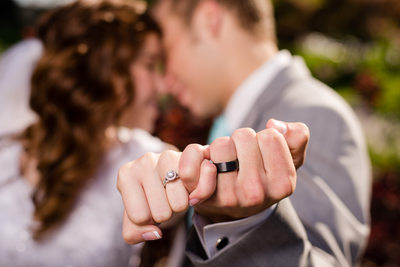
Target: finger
280	170
297	136
250	188
223	150
155	193
133	197
134	234
280	126
177	195
207	183
190	164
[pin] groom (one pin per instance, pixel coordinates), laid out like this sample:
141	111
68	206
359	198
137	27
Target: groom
223	60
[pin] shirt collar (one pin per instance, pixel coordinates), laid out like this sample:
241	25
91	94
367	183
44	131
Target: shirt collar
248	92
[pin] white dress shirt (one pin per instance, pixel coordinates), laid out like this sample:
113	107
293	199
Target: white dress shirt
237	109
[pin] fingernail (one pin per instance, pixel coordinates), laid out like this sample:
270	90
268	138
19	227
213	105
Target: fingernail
280	126
194	201
151	236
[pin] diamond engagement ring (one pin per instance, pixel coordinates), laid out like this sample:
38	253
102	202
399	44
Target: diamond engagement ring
169	177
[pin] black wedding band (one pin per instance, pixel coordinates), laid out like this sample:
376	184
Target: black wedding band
229	166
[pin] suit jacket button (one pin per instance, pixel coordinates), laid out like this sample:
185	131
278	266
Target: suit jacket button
222	242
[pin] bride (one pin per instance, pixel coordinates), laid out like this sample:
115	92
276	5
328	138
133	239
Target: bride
58	201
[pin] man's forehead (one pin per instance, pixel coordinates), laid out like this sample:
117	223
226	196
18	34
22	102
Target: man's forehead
161	8
165	16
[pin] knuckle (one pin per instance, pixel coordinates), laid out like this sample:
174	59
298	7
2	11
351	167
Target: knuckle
269	136
243	134
304	129
220	142
186	172
119	183
285	186
228	201
223	149
292	174
287	189
202	194
162	216
124	169
167	154
128	236
191	156
140	218
193	148
147	160
123	174
252	191
304	132
292	177
209	168
274	134
180	206
148	156
300	143
253	198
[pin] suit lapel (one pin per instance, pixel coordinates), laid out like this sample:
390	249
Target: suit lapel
271	95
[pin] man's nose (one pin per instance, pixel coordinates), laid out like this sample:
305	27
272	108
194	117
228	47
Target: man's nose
171	85
159	84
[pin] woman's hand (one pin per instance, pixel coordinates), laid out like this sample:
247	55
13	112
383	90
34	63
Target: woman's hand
267	164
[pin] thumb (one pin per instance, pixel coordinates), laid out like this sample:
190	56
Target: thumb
297	136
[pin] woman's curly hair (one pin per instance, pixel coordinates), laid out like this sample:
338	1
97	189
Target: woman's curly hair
80	86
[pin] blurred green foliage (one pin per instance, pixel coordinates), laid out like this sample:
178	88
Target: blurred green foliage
354	47
367	71
367	78
383	62
386	161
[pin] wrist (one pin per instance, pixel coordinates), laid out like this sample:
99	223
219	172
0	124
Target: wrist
219	215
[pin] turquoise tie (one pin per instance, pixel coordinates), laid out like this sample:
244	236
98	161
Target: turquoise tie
219	128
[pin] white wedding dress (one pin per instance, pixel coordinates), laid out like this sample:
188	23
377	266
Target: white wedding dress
91	236
16	67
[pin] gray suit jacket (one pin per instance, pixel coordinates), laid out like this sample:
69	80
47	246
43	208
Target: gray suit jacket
326	221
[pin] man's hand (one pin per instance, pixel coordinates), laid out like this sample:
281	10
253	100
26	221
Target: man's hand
267	162
266	170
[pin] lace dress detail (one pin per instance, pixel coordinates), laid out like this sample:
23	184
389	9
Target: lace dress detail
91	236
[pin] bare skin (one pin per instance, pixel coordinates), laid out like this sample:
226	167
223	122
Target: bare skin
267	174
